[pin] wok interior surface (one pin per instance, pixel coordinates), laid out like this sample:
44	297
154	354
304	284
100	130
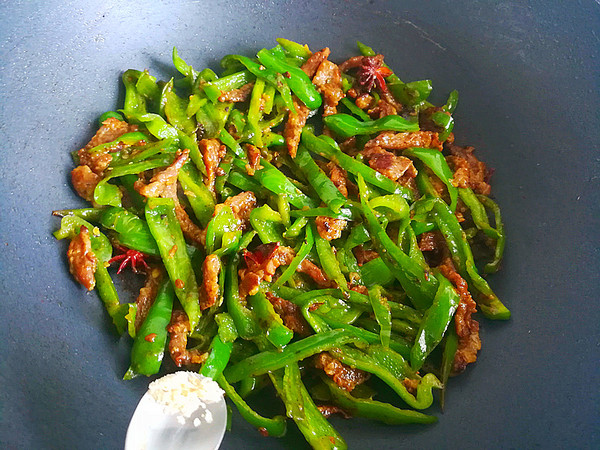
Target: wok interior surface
527	73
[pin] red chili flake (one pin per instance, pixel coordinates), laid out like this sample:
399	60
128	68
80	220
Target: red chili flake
179	284
287	75
371	72
263	431
151	337
132	257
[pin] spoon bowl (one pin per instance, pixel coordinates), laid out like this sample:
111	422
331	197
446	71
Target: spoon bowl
153	428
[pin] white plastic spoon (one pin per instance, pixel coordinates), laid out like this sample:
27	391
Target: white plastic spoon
183	411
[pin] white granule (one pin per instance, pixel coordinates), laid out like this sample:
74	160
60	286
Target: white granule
183	393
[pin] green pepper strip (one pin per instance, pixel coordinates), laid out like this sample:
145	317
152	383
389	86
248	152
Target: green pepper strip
277	333
435	322
271	76
343	213
324	187
92	214
295	228
214	89
175	110
253	130
267	223
346	126
372	409
294	49
355	109
490	304
305	249
325	149
160	215
478	213
149	343
414	278
134	103
271	360
329	262
435	160
445	122
450	347
132	232
398	345
162	147
383	314
494	265
317	431
110	298
217	359
275	427
107	115
200	198
295	77
232	144
127	139
244	182
189	141
276	181
376	272
222	222
244	318
362	361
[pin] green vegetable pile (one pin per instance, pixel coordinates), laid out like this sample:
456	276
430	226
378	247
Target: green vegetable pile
281	252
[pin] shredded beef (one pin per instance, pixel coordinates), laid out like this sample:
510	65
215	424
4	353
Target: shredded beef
253	159
212	152
242	205
164	181
363	101
342	374
110	130
390	140
467	328
84	182
315	272
210	284
293	126
330	228
290	314
82	260
164	184
179	329
468	170
382	109
261	265
328	80
396	168
147	295
364	256
314	61
237	95
339	177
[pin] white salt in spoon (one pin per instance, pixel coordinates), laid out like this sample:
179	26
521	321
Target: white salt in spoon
182	410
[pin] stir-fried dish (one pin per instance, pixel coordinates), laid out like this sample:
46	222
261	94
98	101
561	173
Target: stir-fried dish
304	228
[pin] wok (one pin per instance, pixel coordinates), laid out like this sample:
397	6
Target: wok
527	73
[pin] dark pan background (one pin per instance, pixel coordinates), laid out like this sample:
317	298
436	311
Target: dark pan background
527	72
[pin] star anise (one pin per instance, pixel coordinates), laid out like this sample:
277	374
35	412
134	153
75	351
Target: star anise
371	73
131	257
